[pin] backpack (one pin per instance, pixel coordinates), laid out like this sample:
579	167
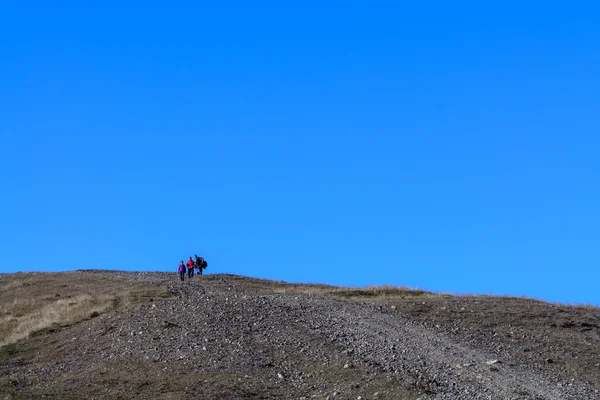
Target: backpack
204	264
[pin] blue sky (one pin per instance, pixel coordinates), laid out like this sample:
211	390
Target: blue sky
449	148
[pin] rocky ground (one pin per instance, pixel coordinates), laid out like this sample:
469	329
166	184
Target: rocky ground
229	337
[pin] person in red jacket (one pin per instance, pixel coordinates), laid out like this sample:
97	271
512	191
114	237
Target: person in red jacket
190	266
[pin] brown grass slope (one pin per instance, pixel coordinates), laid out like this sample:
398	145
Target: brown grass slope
32	302
117	335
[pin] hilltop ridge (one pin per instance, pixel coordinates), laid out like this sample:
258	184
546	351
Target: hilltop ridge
147	335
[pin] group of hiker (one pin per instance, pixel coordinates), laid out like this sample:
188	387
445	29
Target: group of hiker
197	263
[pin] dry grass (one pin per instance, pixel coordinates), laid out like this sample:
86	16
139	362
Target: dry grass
373	291
26	316
30	302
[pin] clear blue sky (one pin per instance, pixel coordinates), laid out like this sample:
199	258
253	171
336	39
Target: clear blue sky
452	148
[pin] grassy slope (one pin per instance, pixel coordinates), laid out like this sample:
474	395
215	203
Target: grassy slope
32	302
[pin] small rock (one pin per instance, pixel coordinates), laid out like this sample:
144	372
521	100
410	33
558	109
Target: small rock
492	362
279	375
167	324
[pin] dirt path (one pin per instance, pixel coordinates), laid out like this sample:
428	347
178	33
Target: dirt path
418	356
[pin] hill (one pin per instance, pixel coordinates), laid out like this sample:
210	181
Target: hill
121	335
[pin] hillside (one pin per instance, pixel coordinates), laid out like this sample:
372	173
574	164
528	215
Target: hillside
121	335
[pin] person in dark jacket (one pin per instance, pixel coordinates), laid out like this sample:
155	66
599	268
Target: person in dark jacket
199	263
